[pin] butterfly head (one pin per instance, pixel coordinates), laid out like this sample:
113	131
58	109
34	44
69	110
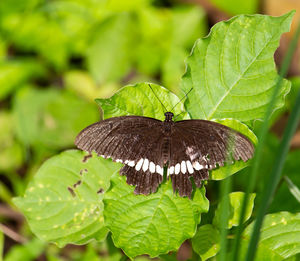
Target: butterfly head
169	116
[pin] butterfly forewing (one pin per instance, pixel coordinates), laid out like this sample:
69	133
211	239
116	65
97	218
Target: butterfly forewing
188	148
132	140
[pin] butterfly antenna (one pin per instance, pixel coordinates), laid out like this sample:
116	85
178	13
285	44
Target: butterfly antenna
157	98
185	96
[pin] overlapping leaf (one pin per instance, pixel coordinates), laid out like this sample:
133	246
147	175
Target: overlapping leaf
235	205
140	100
154	224
206	242
233	72
61	203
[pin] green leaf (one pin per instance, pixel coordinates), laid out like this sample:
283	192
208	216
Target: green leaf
51	117
232	70
11	151
59	211
279	237
109	54
206	242
235	201
235	7
223	172
153	224
27	252
14	73
140	100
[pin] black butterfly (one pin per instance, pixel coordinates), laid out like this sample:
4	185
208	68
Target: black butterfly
187	148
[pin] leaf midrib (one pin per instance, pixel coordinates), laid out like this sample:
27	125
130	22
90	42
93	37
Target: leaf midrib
239	78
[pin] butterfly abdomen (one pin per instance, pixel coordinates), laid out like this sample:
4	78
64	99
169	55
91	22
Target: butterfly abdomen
165	150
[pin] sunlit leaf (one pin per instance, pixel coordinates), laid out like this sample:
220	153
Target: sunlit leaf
153	224
63	202
233	72
140	100
235	202
206	242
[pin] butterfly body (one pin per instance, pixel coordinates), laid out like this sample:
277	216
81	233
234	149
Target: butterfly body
187	148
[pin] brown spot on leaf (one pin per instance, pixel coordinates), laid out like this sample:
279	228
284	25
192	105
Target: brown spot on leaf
72	192
77	183
86	157
100	191
83	170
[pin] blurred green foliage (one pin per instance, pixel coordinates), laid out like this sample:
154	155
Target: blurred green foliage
57	56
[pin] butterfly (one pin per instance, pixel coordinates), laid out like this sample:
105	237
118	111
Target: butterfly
187	149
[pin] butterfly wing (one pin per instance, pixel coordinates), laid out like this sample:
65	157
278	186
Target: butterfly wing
198	146
132	140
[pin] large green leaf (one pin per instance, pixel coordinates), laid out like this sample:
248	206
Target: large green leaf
51	117
235	202
233	72
206	242
59	211
153	224
140	100
279	237
109	55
